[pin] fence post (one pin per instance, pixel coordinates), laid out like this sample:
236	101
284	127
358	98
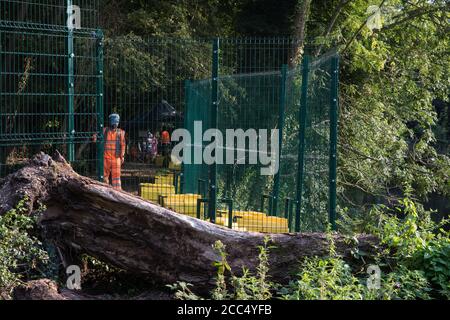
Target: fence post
334	103
70	86
214	99
276	183
99	107
187	86
301	144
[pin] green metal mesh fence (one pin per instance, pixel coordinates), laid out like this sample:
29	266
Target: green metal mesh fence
145	85
50	15
317	141
58	84
301	102
248	102
285	188
50	84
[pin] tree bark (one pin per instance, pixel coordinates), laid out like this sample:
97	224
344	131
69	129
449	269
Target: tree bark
139	236
46	289
300	33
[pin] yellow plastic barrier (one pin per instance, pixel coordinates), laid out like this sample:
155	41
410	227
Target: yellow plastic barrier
151	191
164	179
260	222
223	221
184	204
187	204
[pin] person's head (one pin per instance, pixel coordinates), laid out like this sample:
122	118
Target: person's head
114	120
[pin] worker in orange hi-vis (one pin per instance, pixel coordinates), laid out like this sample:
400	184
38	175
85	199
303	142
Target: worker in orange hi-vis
165	136
114	151
165	144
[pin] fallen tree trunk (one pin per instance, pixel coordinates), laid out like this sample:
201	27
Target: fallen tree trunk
46	289
144	238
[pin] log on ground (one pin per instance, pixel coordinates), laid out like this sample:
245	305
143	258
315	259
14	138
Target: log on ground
131	233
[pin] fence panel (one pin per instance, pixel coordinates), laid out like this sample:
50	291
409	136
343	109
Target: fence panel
315	204
47	104
301	102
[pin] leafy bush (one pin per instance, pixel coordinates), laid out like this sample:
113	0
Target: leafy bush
330	278
434	260
324	279
20	253
413	240
408	234
405	284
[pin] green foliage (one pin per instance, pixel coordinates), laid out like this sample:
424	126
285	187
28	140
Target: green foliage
416	242
221	292
405	284
319	278
331	278
324	279
183	291
389	79
408	234
243	287
21	254
434	260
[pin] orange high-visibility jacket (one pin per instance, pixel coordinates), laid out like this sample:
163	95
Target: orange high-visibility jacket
165	137
114	143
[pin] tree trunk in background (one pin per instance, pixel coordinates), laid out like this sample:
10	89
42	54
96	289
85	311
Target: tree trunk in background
139	236
300	32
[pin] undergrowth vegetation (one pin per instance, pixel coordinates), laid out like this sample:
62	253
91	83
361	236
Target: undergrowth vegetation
22	255
413	260
414	264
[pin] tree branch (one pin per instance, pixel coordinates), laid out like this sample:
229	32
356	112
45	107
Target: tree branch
333	20
410	16
359	153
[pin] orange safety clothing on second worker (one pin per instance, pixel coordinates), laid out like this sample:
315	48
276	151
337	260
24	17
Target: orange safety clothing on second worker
165	136
114	152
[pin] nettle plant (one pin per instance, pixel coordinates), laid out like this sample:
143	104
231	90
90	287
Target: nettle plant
247	286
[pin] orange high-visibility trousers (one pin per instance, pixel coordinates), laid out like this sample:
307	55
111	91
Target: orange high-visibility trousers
111	167
114	152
